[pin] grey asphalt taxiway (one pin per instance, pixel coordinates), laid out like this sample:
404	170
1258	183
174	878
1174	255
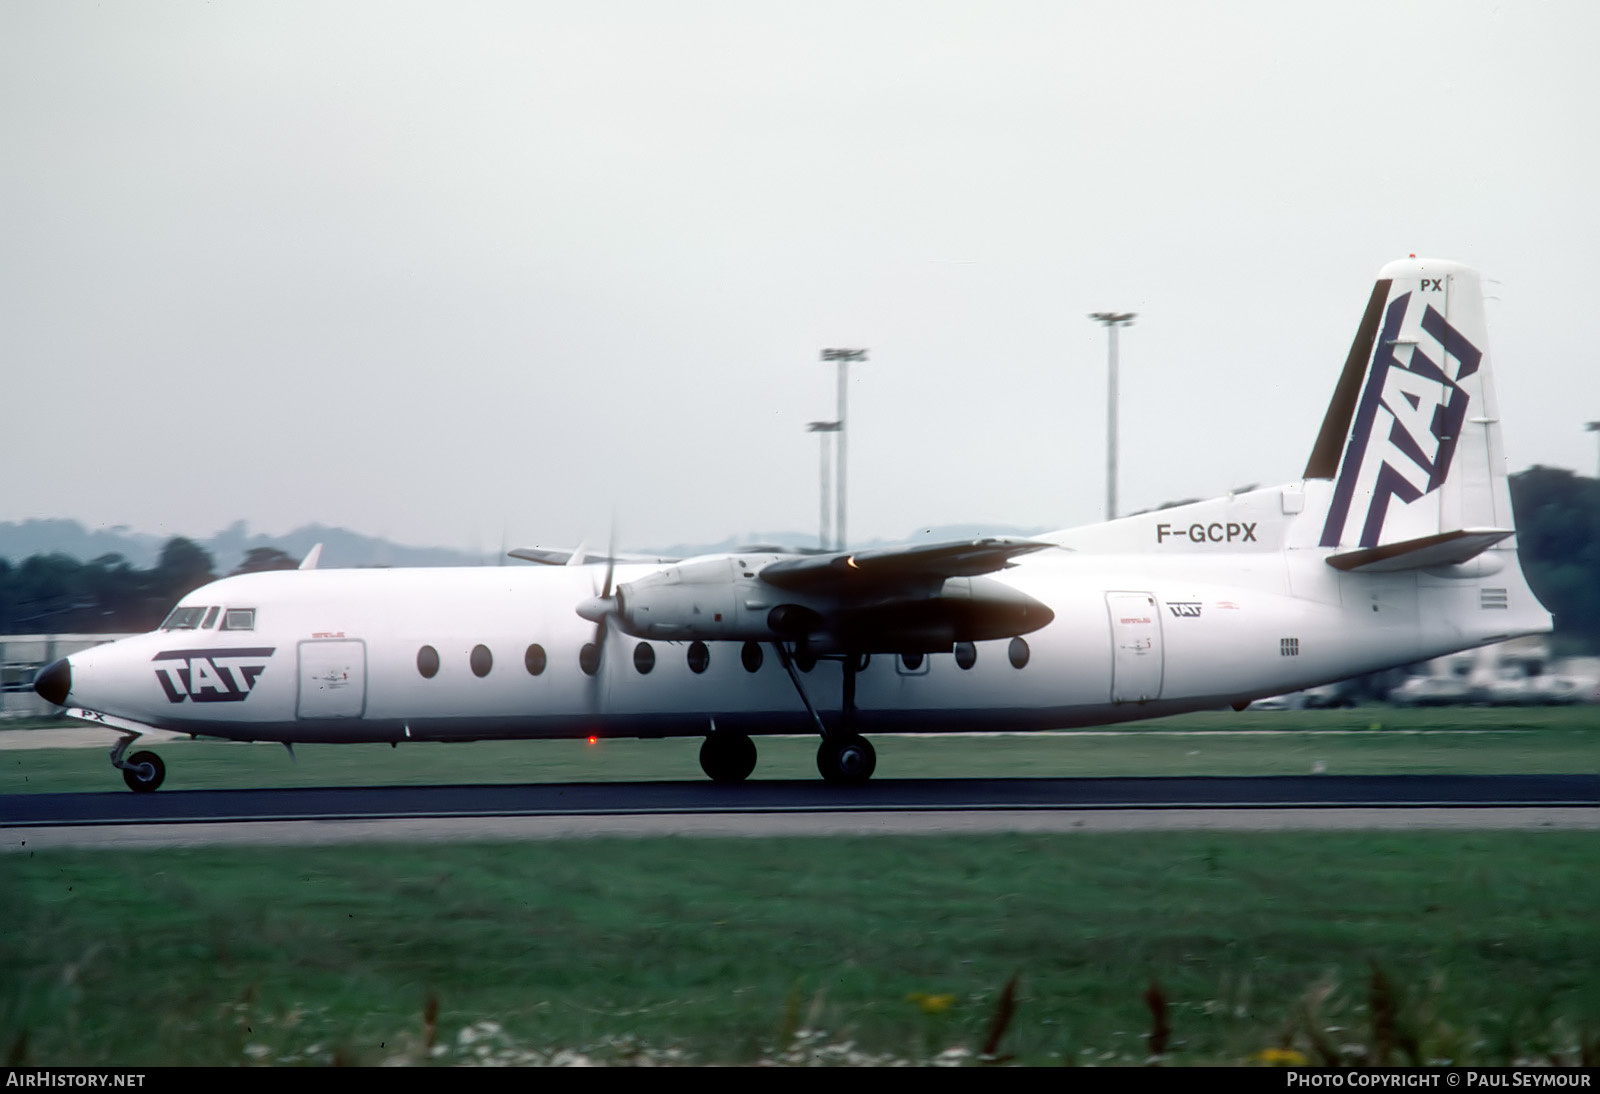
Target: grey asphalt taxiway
885	806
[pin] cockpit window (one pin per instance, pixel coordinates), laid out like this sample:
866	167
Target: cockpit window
211	619
239	619
183	619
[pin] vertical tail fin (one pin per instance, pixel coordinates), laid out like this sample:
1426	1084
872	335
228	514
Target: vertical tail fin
1415	416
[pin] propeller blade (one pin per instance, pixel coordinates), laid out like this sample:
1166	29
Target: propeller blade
611	562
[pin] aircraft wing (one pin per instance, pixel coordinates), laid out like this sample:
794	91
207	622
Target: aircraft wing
551	556
856	572
544	555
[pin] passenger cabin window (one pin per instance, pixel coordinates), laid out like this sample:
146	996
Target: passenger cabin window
535	659
699	657
644	658
184	619
239	619
481	661
750	654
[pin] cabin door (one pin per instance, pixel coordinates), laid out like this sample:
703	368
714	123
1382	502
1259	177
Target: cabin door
1136	657
333	680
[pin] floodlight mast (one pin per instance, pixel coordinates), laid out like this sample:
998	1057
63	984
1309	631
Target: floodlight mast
1112	320
823	428
1594	427
841	472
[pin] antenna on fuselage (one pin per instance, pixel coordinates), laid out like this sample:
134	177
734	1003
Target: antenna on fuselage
312	557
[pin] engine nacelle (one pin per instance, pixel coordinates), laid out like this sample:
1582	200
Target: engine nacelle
717	599
724	599
974	609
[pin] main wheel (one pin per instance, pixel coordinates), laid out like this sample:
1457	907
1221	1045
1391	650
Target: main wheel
134	775
847	760
728	757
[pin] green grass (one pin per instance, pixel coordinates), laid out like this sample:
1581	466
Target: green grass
721	950
729	950
1447	741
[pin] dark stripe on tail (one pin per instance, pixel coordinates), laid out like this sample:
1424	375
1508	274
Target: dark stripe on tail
1324	462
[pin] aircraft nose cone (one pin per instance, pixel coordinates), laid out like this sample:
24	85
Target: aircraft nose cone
54	682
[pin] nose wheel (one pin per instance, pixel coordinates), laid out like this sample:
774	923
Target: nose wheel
848	759
143	771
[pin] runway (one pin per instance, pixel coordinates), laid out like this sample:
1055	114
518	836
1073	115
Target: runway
888	806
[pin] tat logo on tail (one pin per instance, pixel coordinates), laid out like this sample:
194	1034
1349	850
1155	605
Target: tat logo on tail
1408	421
210	676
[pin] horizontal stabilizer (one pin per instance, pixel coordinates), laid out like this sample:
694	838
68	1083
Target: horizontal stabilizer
1444	549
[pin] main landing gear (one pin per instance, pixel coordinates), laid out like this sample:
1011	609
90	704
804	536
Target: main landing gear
847	758
844	756
143	771
728	757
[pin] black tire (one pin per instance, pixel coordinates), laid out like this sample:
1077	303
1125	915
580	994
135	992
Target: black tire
728	757
848	761
137	782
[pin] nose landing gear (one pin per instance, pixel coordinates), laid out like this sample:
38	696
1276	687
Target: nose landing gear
143	771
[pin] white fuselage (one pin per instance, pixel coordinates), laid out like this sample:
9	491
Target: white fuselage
1184	609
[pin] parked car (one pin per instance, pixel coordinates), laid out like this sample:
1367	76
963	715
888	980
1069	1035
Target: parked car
1330	696
1424	691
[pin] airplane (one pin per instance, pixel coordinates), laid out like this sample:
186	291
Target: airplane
1397	545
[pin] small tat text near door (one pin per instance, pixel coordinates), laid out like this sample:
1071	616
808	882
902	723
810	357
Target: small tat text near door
333	679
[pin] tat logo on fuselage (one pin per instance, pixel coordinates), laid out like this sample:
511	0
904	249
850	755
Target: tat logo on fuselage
210	676
1408	421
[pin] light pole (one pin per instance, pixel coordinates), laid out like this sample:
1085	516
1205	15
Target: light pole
841	471
1594	427
1112	320
823	428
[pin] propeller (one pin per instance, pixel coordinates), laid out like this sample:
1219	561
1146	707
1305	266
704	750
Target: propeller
598	610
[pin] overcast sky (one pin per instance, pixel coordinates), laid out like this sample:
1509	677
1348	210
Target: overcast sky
451	272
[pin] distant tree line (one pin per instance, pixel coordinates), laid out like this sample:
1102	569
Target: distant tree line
1558	535
1558	531
57	594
